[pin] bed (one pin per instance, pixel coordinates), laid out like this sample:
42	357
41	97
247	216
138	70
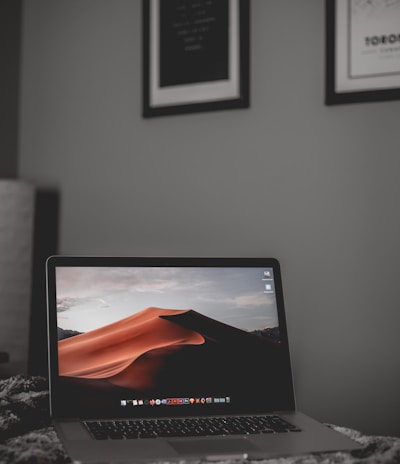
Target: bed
26	434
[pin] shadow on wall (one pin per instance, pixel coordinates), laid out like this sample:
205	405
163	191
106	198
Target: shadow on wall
45	243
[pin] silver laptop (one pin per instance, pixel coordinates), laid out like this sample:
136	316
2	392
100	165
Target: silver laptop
174	358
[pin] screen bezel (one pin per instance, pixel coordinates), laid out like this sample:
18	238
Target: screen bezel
59	405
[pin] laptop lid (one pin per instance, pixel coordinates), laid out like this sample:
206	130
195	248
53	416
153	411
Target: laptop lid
146	337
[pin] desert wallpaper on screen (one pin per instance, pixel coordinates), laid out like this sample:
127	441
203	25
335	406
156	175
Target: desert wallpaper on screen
218	323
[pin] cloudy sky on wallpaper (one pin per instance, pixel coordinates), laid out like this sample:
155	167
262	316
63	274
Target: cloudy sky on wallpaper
88	298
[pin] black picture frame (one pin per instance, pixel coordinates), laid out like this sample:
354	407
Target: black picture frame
355	70
197	62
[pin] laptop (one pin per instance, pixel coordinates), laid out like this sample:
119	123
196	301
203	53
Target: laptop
171	359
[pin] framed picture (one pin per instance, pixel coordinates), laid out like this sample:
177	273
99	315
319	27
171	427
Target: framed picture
362	51
195	56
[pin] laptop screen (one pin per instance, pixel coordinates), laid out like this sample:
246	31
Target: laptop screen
147	337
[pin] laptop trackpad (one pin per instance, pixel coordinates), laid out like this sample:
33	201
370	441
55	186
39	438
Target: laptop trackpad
227	446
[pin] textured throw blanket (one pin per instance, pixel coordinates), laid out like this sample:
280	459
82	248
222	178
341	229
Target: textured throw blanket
26	434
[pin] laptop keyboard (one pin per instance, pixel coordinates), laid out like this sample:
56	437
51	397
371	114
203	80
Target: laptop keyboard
184	427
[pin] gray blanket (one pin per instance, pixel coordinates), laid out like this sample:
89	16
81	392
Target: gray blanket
26	434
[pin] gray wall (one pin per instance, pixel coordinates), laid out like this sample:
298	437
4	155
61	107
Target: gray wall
316	187
10	31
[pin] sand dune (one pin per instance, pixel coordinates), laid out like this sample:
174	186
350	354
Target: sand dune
108	351
150	348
